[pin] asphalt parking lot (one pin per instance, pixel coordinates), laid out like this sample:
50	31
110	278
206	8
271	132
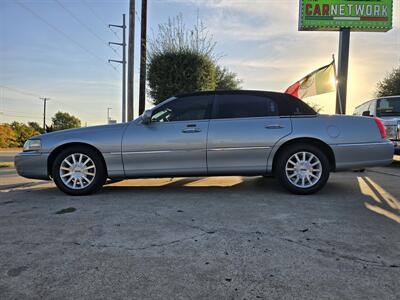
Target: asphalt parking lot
202	238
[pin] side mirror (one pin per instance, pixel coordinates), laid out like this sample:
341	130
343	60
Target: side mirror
146	117
366	113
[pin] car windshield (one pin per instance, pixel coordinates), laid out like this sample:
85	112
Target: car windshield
388	107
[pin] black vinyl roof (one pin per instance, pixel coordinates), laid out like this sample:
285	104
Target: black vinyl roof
287	104
237	92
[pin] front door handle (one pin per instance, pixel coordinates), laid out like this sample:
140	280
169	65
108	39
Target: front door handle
191	130
274	126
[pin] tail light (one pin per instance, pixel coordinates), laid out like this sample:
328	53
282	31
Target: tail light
398	130
381	127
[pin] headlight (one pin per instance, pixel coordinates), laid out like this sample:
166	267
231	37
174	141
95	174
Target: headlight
32	145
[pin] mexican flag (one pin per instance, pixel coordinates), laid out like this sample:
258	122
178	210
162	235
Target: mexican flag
318	82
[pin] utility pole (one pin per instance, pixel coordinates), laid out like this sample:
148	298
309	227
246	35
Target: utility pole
343	67
108	114
123	62
131	58
44	111
143	40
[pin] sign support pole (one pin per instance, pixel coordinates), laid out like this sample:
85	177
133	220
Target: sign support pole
343	67
336	85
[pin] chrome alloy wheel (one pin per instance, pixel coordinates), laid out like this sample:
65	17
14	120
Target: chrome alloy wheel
77	171
303	169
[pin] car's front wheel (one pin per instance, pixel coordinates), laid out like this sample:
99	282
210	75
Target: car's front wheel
302	168
79	171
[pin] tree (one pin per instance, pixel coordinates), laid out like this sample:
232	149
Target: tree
173	37
63	120
22	132
390	85
174	73
7	136
183	60
36	126
226	80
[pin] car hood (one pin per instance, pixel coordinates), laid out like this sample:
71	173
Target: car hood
79	131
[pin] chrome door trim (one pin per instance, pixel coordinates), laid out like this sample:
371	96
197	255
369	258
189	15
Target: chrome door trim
362	144
156	151
238	148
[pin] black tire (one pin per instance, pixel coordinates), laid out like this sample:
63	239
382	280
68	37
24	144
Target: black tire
287	153
98	180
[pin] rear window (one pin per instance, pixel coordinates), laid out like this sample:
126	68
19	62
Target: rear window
292	106
388	107
229	106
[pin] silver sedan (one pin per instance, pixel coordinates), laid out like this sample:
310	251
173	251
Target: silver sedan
245	133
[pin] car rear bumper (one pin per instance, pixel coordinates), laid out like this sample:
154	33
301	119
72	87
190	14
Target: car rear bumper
32	165
362	155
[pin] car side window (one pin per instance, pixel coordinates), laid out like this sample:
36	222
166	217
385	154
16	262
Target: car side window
189	108
244	106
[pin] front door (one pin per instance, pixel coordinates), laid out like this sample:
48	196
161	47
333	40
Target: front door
173	144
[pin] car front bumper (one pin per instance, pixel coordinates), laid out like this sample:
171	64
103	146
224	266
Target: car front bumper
32	165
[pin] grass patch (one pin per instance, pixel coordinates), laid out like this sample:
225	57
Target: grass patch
6	164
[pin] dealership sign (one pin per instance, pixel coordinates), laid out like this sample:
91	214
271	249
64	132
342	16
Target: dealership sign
359	15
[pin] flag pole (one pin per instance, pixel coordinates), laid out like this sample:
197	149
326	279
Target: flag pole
336	85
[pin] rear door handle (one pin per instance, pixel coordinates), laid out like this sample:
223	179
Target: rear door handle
273	126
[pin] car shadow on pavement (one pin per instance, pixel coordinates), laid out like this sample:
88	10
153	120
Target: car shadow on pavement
21	185
197	184
379	201
267	186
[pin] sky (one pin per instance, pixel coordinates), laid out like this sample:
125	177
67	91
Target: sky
58	49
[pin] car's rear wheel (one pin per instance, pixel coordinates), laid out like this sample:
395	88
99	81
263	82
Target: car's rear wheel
79	171
302	168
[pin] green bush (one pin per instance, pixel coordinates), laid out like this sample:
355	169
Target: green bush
7	136
184	71
22	132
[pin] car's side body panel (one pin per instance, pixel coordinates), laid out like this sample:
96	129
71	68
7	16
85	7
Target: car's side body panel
355	141
165	149
107	139
242	145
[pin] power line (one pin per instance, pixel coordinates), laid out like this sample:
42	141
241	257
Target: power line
12	112
62	32
20	116
84	25
31	94
20	91
100	18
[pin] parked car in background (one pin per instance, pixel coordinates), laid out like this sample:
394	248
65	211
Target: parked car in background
388	110
210	134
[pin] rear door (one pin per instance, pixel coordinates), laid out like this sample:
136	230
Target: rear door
243	129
